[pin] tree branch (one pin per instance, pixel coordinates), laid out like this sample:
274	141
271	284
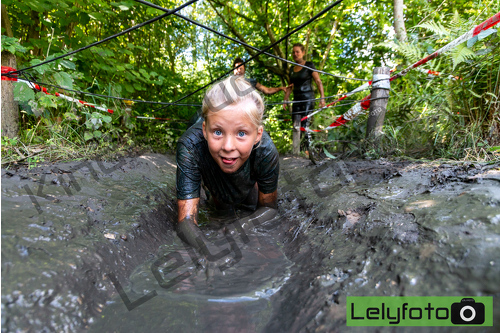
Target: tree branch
234	11
329	45
274	69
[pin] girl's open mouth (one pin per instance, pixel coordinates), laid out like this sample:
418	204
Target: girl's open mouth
228	161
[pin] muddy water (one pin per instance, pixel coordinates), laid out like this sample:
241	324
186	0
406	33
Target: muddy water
353	228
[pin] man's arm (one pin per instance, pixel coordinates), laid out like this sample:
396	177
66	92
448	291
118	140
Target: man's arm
288	91
269	91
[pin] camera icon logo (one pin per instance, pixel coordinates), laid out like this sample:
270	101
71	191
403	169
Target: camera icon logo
467	312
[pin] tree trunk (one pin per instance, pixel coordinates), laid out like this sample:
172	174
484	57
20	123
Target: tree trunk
378	104
399	23
10	108
34	32
6	22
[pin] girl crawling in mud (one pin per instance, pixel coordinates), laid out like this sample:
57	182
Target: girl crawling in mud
231	154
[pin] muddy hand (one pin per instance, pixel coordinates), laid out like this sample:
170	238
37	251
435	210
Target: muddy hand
191	234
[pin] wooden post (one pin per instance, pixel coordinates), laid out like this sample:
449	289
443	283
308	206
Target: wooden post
296	134
378	103
10	108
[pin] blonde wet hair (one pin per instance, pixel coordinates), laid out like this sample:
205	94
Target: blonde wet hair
231	91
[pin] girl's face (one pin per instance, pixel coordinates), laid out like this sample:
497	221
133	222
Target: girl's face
230	135
297	54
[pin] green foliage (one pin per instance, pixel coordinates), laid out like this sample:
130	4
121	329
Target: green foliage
170	58
12	45
94	122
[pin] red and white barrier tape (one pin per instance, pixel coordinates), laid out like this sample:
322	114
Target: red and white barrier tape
358	108
44	90
495	19
434	73
358	89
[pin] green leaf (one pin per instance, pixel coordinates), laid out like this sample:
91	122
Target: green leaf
129	88
68	64
143	72
23	93
494	148
474	94
437	28
63	79
40	69
70	116
97	134
106	119
97	16
460	54
48	101
88	136
327	153
483	51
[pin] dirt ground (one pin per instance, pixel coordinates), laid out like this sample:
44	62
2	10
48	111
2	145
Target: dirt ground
77	237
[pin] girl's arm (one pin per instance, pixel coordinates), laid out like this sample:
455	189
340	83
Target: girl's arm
319	84
268	200
188	209
267	210
187	226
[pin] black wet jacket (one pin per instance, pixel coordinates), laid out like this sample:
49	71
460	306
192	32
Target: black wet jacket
194	164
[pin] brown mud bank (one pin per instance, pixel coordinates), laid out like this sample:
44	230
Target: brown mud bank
81	239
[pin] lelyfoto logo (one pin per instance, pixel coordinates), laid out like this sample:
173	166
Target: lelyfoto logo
419	311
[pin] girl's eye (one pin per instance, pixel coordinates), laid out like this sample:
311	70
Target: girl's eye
241	134
217	132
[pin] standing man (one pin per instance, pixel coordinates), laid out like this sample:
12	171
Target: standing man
241	71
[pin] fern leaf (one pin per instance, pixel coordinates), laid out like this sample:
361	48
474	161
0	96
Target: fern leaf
410	52
436	28
460	54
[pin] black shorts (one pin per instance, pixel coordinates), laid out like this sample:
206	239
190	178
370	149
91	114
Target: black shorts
301	110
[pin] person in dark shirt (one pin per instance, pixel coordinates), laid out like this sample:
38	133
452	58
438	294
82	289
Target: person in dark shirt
301	83
241	71
232	155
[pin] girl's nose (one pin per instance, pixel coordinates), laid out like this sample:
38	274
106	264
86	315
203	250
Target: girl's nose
228	144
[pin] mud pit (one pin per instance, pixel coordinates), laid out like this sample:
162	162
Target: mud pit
346	228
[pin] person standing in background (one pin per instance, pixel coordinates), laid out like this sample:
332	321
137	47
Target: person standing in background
301	84
241	71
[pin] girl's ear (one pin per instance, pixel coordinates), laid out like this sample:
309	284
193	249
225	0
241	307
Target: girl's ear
260	129
204	130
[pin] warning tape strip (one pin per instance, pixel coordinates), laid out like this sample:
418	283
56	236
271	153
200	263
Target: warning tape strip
495	19
44	90
358	89
37	87
434	73
359	108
